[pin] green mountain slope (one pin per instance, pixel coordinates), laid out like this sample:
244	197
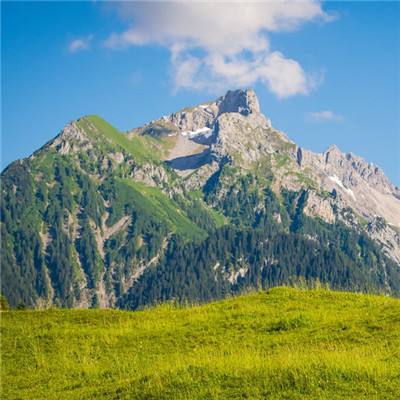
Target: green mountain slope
153	202
279	344
142	148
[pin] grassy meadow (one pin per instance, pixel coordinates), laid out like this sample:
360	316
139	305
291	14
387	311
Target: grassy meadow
283	343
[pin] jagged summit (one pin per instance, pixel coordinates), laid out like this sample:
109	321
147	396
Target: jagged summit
230	126
204	116
332	148
241	101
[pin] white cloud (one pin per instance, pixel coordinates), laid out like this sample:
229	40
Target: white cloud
80	44
218	45
323	116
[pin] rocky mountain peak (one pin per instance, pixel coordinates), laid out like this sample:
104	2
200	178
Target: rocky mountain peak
333	154
352	168
200	119
70	139
333	148
241	101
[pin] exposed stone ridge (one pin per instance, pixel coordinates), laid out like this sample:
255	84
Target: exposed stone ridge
356	167
244	102
70	139
357	185
211	131
348	172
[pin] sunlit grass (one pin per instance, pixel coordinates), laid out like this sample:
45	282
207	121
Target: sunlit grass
281	344
141	148
160	206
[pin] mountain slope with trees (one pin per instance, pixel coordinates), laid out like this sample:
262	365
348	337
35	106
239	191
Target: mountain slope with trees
208	202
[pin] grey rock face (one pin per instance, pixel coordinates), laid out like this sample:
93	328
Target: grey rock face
359	186
319	207
244	102
189	120
245	138
386	235
70	139
149	174
362	186
230	126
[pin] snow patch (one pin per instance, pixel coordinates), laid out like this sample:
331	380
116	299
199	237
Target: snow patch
336	180
201	131
351	193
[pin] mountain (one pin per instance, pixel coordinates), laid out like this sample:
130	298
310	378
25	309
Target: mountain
209	201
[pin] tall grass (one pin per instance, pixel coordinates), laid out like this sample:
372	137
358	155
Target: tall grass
280	344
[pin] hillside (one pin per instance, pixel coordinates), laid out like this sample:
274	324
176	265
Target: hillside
277	344
204	203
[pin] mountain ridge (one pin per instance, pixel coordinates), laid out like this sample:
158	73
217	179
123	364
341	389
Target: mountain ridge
345	173
107	218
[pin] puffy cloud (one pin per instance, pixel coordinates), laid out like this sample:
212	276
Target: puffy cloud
323	116
80	44
219	45
286	77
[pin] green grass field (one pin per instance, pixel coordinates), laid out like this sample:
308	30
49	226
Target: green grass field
280	344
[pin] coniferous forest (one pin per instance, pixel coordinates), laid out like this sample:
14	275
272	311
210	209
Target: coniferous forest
233	236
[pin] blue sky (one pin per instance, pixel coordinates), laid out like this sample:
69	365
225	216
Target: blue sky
324	74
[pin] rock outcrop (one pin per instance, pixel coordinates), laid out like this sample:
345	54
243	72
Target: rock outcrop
244	102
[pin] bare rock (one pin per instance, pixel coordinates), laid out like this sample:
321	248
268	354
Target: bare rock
244	102
319	207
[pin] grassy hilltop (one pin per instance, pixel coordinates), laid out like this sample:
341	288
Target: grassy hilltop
279	344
